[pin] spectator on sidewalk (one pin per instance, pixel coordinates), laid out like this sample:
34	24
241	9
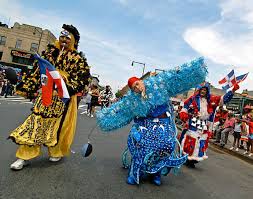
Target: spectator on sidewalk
4	88
219	120
222	134
244	135
237	134
87	100
94	99
250	136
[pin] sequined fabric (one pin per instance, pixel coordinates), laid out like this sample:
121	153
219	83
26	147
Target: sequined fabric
152	145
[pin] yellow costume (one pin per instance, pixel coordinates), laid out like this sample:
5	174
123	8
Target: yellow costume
54	125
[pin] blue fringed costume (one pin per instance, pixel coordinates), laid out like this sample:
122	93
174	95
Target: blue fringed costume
152	140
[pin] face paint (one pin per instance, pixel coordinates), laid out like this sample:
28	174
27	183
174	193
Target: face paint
65	33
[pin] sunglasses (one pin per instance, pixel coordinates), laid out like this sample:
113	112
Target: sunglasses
65	33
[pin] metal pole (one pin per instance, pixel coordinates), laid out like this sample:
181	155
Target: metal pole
143	69
41	33
242	105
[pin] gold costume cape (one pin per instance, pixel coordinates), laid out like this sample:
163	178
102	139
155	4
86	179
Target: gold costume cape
53	126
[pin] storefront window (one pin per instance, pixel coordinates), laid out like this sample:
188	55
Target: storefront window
22	60
18	43
2	40
34	47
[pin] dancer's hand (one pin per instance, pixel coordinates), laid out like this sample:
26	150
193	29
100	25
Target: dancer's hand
236	87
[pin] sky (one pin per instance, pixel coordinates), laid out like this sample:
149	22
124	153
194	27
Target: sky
162	34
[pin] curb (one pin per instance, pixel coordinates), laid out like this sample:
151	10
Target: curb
233	153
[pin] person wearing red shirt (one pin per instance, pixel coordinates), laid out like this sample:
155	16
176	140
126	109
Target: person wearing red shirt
250	135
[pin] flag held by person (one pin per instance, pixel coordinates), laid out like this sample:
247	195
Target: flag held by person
230	80
50	77
241	78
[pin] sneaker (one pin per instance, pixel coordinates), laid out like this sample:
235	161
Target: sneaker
246	152
130	180
54	159
237	149
251	154
18	164
231	148
91	115
157	180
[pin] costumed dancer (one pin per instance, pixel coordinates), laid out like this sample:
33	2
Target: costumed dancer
152	140
52	125
198	113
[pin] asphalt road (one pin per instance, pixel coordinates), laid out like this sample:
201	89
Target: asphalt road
101	175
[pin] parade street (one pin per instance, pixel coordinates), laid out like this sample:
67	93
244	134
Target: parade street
101	175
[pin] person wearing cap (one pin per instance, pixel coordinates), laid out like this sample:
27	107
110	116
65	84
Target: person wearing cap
152	141
195	136
52	126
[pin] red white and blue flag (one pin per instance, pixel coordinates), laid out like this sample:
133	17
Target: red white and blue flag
50	77
230	80
241	78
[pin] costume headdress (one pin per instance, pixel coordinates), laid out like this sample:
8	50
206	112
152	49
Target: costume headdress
72	30
72	33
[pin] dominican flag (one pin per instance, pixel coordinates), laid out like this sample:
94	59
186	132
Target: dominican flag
241	78
228	81
229	78
50	77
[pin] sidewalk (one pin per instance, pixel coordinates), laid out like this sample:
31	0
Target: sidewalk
227	147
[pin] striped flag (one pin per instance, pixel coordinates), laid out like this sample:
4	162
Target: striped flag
229	78
50	77
228	81
241	78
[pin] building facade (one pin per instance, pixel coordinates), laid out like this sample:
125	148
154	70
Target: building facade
20	42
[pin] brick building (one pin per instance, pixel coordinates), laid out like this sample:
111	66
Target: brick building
20	42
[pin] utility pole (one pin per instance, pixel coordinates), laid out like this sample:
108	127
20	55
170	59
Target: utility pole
133	62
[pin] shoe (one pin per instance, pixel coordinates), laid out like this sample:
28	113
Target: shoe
251	154
231	148
91	115
130	180
237	149
54	159
18	164
191	165
246	152
157	180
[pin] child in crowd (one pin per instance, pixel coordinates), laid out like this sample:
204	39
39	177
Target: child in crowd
237	134
244	135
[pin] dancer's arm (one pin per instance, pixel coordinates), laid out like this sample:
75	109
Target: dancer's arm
159	89
183	78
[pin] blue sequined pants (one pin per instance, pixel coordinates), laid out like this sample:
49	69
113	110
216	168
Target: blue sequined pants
152	145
